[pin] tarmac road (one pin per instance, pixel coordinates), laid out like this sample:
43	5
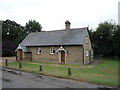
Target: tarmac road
17	79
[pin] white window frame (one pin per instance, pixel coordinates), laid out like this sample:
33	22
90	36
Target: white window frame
87	52
39	51
52	50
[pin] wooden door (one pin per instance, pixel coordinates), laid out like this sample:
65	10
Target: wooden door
21	55
62	57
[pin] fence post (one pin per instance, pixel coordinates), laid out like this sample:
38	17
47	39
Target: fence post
16	57
40	68
6	62
20	65
69	71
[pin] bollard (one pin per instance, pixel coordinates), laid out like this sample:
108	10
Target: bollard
16	58
6	62
69	71
40	68
20	65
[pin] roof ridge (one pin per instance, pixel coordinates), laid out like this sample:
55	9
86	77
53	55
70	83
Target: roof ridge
61	30
55	30
48	31
64	29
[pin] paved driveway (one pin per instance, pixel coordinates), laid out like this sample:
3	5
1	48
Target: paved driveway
18	79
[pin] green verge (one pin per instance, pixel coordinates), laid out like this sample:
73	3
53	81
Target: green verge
105	73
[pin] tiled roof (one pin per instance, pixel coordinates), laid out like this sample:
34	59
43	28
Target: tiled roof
58	37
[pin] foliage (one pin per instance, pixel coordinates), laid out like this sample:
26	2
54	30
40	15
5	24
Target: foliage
10	31
13	34
116	40
106	39
8	50
33	26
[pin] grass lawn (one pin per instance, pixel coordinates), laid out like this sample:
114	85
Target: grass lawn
105	73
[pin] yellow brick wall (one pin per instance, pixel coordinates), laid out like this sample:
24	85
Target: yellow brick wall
87	46
73	56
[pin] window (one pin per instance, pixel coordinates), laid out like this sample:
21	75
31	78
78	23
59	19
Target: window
52	50
38	50
87	52
87	39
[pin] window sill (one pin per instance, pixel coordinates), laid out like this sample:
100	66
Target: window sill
38	53
52	53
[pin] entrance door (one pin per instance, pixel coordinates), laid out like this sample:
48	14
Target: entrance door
62	57
21	55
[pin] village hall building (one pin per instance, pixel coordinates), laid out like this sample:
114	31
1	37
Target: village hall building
66	46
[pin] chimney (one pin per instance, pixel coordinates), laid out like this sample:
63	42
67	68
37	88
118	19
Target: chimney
67	25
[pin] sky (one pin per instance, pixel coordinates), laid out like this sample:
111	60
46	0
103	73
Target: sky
52	14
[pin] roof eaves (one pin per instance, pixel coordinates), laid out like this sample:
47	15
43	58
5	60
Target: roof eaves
55	45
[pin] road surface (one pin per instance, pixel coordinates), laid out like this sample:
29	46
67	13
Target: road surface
18	79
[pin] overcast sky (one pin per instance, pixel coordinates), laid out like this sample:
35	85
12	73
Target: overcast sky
52	14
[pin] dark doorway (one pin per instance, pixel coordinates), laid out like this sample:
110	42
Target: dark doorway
62	57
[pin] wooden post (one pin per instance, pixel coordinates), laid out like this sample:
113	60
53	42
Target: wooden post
20	65
6	62
40	68
16	57
69	71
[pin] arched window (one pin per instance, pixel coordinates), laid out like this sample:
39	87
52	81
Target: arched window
87	39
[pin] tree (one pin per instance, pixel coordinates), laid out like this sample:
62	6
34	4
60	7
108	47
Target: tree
8	48
13	34
103	39
33	26
11	31
116	41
